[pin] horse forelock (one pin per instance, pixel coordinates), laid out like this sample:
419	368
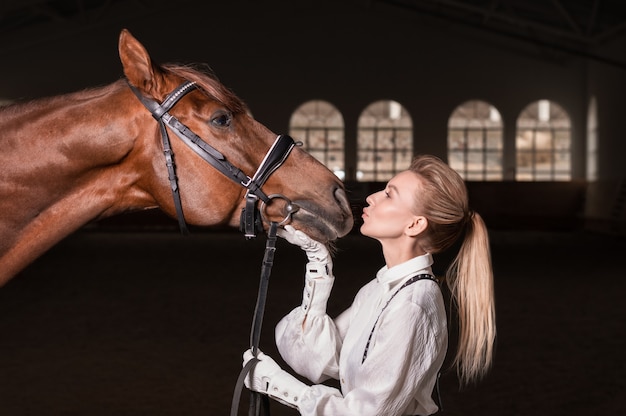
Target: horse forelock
208	82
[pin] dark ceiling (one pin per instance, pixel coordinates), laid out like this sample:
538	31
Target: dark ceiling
18	14
574	26
579	22
580	27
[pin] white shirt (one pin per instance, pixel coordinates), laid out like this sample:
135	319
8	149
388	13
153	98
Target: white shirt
406	351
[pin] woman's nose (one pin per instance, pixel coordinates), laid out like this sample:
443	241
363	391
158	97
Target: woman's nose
370	199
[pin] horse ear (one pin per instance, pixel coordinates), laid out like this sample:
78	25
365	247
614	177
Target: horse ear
137	64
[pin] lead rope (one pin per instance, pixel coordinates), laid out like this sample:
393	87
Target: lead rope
258	401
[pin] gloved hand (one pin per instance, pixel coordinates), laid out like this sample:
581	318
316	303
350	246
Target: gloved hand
315	251
268	378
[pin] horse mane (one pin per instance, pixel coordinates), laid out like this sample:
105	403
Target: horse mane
23	107
208	82
201	74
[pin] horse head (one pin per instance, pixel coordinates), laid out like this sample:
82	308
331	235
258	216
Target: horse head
217	116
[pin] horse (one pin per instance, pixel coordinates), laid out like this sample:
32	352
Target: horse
83	156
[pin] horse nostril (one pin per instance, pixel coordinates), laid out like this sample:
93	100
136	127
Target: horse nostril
341	198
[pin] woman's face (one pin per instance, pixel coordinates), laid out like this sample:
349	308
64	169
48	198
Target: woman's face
390	211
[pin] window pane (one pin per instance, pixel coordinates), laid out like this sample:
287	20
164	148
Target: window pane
456	140
494	162
562	140
524	160
475	139
456	161
386	140
316	139
562	162
366	140
403	161
494	139
494	176
542	175
335	140
474	176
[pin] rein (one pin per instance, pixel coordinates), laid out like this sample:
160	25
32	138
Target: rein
257	399
251	223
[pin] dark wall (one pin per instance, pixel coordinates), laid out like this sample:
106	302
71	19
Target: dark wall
278	54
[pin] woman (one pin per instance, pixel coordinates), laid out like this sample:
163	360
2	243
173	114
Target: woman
388	347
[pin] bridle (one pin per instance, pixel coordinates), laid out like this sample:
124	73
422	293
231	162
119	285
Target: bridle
251	220
251	217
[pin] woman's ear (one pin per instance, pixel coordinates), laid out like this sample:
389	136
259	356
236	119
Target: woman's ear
417	226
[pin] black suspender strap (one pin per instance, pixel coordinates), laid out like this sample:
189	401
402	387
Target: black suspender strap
407	283
369	339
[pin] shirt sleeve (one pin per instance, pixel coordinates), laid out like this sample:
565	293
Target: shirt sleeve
307	338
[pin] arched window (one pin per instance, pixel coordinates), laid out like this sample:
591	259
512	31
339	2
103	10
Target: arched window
475	141
384	142
319	125
543	143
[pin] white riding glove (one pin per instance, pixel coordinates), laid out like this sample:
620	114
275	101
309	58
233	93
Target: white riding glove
315	251
268	378
319	270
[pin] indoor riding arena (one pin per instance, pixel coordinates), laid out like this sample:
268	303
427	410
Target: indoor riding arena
125	315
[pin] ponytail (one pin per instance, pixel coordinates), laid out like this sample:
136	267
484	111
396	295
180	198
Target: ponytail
470	279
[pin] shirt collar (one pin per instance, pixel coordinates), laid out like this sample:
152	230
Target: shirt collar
391	277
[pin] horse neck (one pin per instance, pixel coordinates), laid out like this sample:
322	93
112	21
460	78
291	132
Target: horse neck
75	122
67	136
63	166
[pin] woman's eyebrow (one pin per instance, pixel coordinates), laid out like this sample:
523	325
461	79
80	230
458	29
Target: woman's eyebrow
392	188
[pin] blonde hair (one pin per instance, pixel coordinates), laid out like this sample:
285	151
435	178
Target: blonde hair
444	202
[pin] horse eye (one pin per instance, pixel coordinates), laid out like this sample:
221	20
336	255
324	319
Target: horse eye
221	119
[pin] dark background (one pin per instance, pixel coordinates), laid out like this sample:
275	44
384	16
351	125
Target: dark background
127	317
